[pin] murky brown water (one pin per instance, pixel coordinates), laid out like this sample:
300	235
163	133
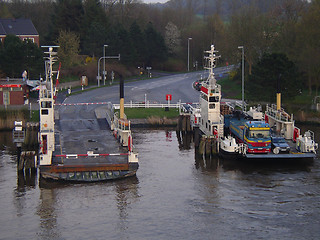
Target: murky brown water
173	196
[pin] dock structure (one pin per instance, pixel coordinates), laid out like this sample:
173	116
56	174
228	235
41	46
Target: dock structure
77	143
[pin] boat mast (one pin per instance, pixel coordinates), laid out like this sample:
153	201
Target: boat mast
211	64
46	102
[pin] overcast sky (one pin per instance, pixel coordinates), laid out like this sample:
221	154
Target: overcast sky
154	1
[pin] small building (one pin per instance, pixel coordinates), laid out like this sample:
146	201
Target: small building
13	92
22	28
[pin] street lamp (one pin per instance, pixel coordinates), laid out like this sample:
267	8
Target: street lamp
104	64
189	52
241	47
108	57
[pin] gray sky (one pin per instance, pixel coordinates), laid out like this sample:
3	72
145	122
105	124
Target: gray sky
154	1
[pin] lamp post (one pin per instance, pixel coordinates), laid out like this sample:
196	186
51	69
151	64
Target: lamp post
106	57
242	48
189	52
104	64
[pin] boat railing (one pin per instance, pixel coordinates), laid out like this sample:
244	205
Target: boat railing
122	124
239	104
310	134
217	89
242	148
280	115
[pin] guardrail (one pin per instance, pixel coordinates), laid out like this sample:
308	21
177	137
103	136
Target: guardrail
148	105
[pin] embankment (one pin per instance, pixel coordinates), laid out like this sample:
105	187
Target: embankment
8	117
153	122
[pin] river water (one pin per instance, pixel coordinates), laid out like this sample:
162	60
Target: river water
175	195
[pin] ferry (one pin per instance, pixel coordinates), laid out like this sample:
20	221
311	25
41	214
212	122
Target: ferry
87	163
252	134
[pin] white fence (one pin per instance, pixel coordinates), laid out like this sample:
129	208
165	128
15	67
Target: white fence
149	105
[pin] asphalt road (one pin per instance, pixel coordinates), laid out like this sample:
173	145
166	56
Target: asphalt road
155	90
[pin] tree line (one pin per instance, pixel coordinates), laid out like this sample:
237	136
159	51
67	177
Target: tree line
157	35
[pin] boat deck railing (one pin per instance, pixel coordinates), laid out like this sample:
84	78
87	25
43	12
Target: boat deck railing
242	148
121	124
279	115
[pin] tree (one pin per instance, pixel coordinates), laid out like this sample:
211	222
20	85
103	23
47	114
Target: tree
173	39
286	17
248	28
68	51
4	11
94	39
138	42
125	46
12	56
38	11
67	16
94	28
267	72
17	56
156	48
33	59
308	45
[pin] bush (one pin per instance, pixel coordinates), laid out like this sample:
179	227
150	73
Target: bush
91	71
174	65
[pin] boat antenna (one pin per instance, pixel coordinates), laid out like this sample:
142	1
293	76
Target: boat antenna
211	64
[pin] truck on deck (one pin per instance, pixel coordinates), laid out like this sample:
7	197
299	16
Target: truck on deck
255	134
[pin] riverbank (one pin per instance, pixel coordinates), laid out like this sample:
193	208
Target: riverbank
153	122
9	116
139	118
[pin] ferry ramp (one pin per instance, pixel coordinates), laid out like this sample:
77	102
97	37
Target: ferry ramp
80	130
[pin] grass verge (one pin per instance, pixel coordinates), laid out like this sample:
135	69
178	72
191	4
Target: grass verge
140	113
229	88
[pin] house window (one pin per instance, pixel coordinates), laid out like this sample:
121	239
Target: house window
6	98
26	39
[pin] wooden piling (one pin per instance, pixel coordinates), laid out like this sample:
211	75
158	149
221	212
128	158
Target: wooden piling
27	161
208	147
196	137
202	145
188	123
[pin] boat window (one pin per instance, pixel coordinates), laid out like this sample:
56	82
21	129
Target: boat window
46	104
204	97
212	106
44	112
214	99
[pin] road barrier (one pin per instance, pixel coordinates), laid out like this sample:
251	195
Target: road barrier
149	105
91	155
